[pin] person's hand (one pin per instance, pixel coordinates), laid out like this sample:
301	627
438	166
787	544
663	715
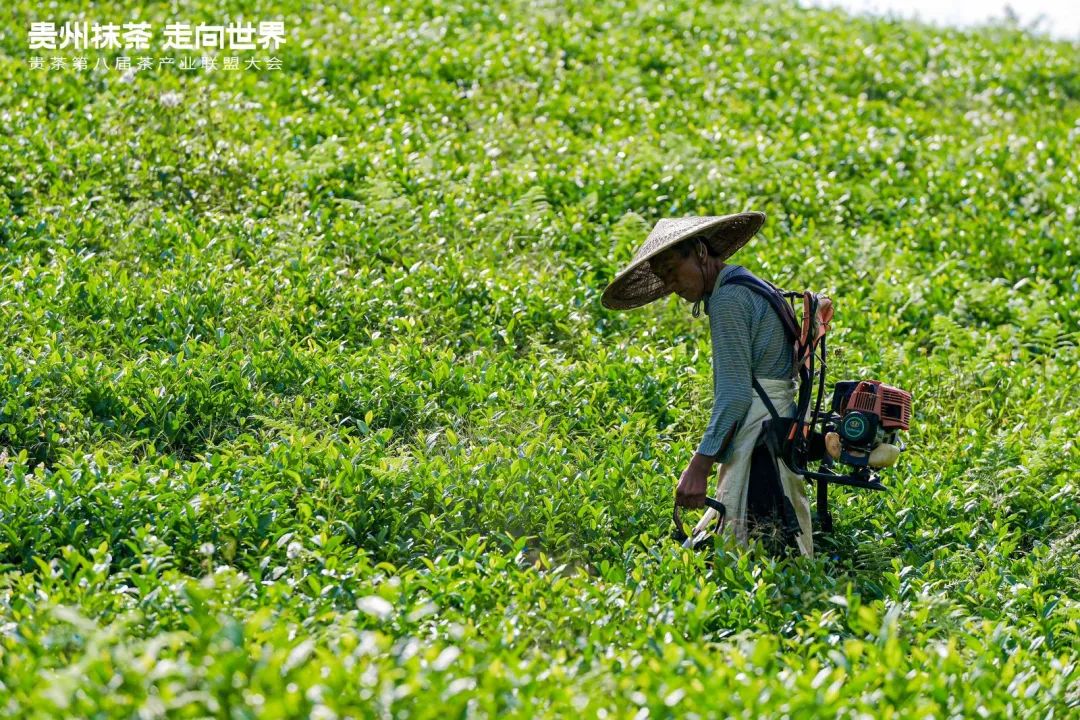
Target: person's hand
693	481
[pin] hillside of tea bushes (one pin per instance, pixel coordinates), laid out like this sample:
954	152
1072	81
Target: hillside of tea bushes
309	407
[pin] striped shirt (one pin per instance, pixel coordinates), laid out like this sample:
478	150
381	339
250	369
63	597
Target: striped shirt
747	336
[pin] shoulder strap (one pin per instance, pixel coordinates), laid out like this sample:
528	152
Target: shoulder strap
765	399
773	294
775	298
817	313
778	300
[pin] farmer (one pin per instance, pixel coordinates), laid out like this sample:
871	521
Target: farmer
686	256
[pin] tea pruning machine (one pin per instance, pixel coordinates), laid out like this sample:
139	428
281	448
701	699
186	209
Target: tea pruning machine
849	442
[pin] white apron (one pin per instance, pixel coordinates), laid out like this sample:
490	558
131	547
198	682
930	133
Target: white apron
733	477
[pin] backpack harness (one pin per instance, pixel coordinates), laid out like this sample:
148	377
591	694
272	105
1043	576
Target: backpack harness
789	439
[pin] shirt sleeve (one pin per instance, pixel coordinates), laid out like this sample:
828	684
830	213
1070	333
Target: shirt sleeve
730	326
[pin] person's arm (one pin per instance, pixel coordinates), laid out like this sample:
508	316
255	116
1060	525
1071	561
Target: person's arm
729	325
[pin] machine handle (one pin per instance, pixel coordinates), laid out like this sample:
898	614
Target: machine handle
680	532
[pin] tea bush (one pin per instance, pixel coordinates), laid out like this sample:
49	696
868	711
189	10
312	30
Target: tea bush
308	405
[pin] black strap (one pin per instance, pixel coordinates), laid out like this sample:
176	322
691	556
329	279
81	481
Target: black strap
765	399
775	297
786	313
779	428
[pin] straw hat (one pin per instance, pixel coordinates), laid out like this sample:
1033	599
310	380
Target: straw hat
636	284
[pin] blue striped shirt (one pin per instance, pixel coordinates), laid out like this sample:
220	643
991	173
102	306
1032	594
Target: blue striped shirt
747	336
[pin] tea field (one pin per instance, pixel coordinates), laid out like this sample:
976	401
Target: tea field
309	407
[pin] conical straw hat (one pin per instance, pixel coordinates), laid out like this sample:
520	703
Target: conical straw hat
636	284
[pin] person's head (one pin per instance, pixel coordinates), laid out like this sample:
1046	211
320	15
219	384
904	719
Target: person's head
684	267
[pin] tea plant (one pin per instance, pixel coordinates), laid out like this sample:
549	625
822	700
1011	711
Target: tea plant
308	405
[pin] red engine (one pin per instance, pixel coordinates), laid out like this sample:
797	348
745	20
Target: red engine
891	405
867	418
